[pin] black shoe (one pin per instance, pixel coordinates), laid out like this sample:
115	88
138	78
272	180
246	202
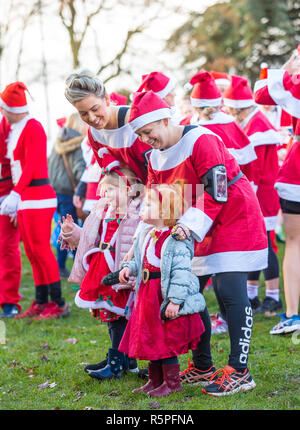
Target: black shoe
270	305
143	373
255	304
117	365
64	272
9	311
92	367
133	368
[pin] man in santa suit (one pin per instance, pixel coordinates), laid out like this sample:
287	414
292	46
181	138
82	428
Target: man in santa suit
32	200
10	255
221	217
262	173
282	87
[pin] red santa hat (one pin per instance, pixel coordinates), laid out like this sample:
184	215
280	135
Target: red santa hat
221	78
157	82
13	98
205	91
118	99
147	107
61	121
263	71
238	94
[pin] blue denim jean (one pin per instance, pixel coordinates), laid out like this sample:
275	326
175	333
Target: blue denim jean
64	206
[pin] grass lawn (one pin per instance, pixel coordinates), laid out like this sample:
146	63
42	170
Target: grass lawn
55	352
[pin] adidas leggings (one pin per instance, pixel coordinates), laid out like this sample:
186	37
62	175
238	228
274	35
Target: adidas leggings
232	292
272	271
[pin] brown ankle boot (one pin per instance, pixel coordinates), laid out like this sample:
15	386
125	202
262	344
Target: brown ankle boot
155	378
171	382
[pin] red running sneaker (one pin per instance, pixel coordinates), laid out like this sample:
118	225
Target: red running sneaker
195	376
33	311
229	382
53	311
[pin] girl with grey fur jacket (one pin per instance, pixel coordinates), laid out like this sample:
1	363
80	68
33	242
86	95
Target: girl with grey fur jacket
165	320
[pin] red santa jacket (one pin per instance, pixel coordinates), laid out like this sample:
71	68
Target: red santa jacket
224	231
27	151
120	146
264	170
233	136
284	90
6	184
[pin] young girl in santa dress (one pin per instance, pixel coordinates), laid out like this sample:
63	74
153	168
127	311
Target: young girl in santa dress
102	243
165	320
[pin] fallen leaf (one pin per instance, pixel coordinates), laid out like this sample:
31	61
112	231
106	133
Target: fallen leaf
80	394
44	385
45	345
88	408
14	363
154	405
52	385
45	358
113	393
72	340
93	341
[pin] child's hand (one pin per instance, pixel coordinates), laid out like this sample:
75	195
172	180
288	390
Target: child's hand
67	224
124	275
172	310
180	232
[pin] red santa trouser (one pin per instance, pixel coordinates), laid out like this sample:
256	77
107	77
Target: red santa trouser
10	263
35	229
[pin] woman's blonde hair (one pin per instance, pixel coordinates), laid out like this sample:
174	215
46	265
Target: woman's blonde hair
171	201
83	84
207	112
74	121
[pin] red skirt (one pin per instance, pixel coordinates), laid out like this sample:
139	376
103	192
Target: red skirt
91	288
147	337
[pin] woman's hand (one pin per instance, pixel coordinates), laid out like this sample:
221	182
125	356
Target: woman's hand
124	275
172	310
77	202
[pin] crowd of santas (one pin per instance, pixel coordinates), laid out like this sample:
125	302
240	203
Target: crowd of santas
241	145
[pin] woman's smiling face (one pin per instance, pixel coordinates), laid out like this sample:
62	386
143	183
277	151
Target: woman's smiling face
155	134
93	110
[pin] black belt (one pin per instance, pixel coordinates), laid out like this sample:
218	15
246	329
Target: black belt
39	182
236	178
105	246
146	275
5	179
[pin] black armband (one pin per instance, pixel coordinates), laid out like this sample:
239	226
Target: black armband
215	183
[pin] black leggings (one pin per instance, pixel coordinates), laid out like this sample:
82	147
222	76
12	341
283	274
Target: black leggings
272	271
231	288
116	330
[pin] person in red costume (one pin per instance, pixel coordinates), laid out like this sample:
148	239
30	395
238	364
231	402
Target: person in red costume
222	219
111	138
10	255
262	173
206	99
282	87
32	200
